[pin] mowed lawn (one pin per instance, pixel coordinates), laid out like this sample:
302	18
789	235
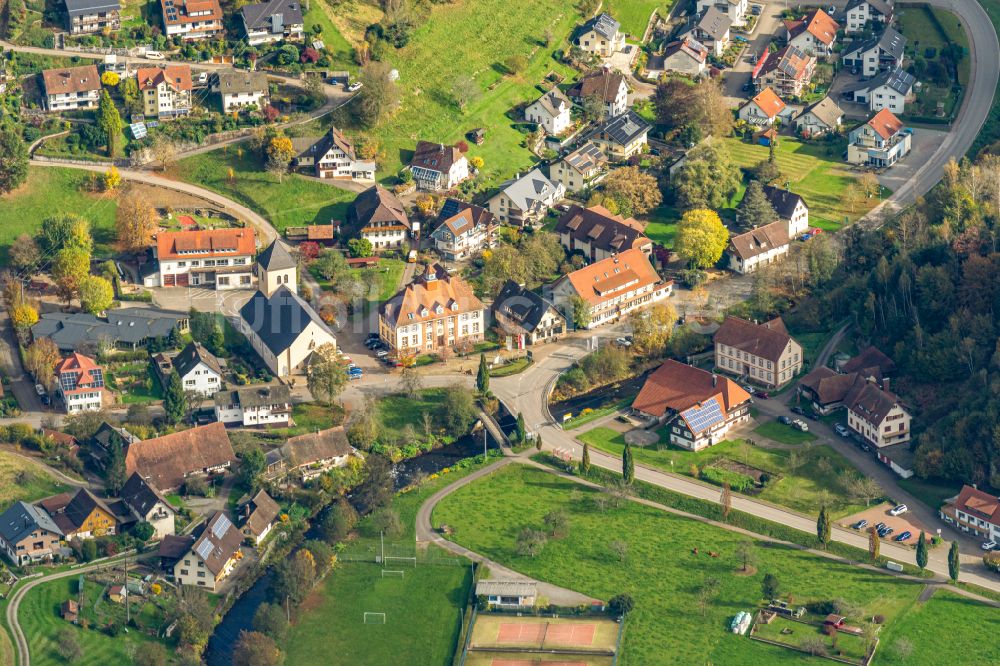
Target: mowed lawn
816	480
785	434
634	14
472	39
51	191
39	618
22	479
294	201
660	571
820	178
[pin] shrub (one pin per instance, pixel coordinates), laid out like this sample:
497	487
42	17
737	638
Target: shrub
738	482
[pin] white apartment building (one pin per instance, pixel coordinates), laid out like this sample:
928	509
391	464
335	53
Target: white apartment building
254	406
222	258
72	88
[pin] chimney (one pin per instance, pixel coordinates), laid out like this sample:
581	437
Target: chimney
715	379
885	384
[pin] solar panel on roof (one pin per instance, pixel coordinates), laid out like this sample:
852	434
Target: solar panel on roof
704	416
204	549
221	526
68	381
138	130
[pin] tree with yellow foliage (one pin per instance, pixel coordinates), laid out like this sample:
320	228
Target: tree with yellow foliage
110	79
279	155
112	179
23	316
701	238
135	222
477	162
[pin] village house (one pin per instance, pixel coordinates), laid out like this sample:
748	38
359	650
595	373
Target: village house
877	54
435	311
165	462
611	288
762	353
92	16
862	12
623	136
974	511
148	505
551	112
276	267
273	21
436	166
814	34
80	384
379	217
580	169
713	30
880	142
509	594
28	534
598	234
221	258
892	89
790	207
877	415
166	91
122	328
199	370
241	89
212	555
787	72
828	389
685	56
71	88
763	109
107	438
819	118
283	329
252	406
331	156
310	455
601	35
698	407
526	317
82	515
736	10
758	247
192	19
464	230
604	84
524	200
258	516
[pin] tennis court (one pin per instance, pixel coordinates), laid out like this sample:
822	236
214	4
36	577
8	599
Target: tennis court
534	659
575	635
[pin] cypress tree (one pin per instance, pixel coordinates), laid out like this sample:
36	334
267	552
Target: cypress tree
922	552
585	460
174	400
483	378
873	543
823	526
628	465
522	430
953	563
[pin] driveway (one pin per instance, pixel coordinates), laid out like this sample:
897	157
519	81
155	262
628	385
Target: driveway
227	302
924	144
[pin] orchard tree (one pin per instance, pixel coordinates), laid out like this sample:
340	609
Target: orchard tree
24	253
465	91
279	155
96	294
701	238
135	222
708	178
360	247
13	161
636	192
379	94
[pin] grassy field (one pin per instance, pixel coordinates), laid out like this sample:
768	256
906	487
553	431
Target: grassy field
661	225
945	615
785	434
22	479
922	32
634	14
39	618
851	647
295	201
814	170
660	571
51	191
397	411
815	482
319	13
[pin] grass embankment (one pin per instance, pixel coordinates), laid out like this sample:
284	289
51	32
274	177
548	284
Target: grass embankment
660	571
814	171
54	191
785	434
634	14
814	481
25	480
514	367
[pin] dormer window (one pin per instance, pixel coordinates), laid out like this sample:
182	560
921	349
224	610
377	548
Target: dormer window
438	309
423	313
409	315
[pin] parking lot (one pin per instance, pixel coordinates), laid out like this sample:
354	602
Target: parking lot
899	524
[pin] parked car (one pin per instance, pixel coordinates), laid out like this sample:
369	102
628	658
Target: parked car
988	545
372	336
800	425
887	531
784	420
763	395
897	510
861	524
904	536
755	10
842	430
622	342
154	55
381	353
46	400
355	87
865	447
880	526
798	410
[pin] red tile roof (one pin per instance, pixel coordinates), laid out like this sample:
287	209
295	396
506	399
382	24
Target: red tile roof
211	242
419	300
166	461
769	102
78	373
71	80
603	279
677	386
885	123
767	340
818	24
978	503
177	77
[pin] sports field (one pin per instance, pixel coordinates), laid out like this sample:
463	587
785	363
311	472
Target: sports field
597	635
534	659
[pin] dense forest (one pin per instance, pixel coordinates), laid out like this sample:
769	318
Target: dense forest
925	288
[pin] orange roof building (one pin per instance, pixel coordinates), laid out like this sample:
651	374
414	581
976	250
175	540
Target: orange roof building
612	287
814	33
192	19
435	312
166	91
974	511
698	406
219	257
72	88
763	108
80	383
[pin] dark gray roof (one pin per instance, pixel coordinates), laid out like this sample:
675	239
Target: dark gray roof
22	519
897	79
259	16
883	7
193	354
232	81
276	257
783	201
714	23
523	306
530	191
890	41
84	7
255	396
603	24
278	320
827	111
141	496
624	128
131	325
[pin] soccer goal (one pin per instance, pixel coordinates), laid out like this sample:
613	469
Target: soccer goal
392	574
374	618
412	560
